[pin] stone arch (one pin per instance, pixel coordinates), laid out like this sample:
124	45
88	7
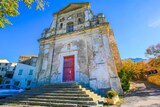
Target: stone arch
61	25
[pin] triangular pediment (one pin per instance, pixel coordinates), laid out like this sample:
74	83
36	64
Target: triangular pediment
71	7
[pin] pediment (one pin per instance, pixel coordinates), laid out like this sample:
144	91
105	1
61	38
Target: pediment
71	7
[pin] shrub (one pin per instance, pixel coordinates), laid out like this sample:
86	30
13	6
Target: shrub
155	79
125	78
111	94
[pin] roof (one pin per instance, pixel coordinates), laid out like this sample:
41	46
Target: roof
71	7
4	61
13	64
24	65
28	56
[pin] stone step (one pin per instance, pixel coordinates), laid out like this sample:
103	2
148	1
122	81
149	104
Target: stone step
55	89
52	97
53	94
62	101
47	102
20	105
61	85
64	83
38	104
63	92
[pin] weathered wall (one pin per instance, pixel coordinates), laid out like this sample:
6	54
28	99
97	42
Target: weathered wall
44	62
69	17
114	50
101	63
71	45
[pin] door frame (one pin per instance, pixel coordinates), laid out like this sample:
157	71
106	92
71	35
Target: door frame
76	65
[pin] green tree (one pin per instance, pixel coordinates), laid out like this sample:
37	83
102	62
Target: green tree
125	78
9	8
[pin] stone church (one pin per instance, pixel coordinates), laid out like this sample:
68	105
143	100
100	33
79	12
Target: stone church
79	47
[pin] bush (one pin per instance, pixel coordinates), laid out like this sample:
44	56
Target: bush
111	94
154	79
125	78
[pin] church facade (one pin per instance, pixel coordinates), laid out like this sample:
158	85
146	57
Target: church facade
79	47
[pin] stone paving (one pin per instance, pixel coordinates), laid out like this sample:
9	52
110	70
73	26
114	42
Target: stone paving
146	95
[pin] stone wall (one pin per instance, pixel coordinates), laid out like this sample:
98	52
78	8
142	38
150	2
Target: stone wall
114	50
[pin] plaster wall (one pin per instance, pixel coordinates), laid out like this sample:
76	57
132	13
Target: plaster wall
25	76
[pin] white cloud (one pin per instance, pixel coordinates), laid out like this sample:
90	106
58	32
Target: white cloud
155	24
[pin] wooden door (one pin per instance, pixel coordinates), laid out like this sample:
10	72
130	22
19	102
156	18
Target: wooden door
68	69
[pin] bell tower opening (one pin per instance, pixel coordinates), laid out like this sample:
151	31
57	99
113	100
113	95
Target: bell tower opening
70	27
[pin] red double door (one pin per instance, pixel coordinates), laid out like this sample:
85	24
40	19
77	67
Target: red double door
68	74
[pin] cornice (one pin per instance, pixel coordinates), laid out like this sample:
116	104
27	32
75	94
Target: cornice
54	37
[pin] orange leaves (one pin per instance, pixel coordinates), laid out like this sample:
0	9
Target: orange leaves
136	68
133	66
155	79
139	69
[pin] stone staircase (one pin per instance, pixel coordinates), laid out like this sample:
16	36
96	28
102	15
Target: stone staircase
55	95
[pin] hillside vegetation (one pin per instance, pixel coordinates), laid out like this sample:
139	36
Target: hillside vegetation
133	71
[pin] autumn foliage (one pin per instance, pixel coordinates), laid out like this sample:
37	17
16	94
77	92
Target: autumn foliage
155	79
154	63
131	71
139	70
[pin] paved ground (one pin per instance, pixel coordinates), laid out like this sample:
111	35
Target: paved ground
147	95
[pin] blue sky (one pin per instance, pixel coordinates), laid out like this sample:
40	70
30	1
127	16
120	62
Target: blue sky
136	24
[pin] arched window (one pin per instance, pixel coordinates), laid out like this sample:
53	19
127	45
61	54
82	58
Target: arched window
80	21
70	27
61	25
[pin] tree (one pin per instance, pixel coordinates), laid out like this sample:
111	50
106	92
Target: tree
125	78
137	69
153	50
10	8
154	63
